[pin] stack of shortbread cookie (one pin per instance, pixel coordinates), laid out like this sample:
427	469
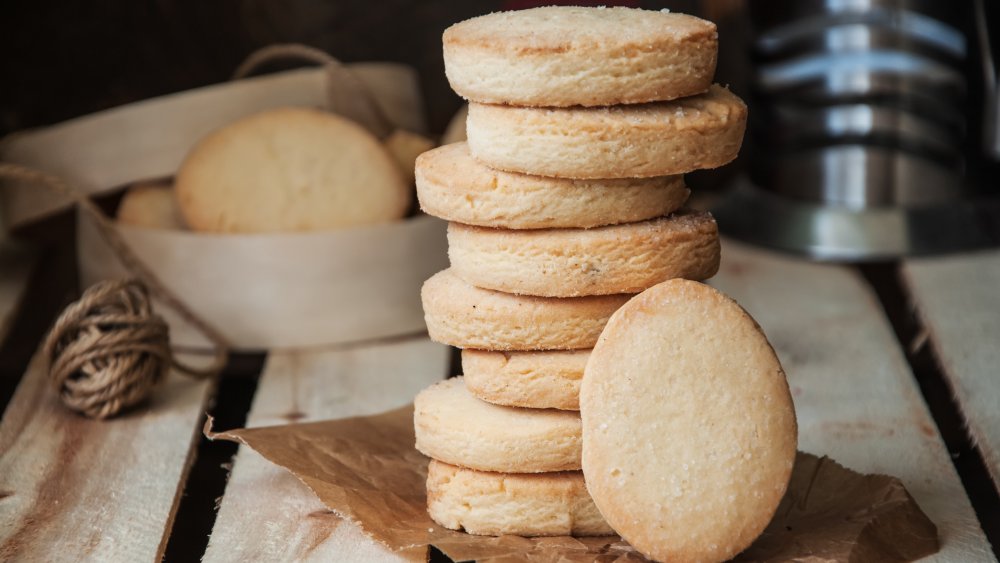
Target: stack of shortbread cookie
565	202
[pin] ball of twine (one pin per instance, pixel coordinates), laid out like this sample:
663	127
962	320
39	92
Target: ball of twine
108	350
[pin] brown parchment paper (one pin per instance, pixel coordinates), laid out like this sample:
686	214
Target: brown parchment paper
366	470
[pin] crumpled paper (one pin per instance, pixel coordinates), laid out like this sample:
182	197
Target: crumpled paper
366	470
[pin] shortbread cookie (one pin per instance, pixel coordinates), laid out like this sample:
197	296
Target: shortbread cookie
404	147
466	316
454	186
150	205
689	430
453	426
537	380
638	141
567	56
289	169
573	262
523	504
455	131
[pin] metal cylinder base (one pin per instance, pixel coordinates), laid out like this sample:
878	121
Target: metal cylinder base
831	233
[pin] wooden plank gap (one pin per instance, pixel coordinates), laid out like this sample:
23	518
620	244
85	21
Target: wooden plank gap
266	513
82	489
203	490
854	392
954	303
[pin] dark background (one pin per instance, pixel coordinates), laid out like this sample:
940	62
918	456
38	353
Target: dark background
64	59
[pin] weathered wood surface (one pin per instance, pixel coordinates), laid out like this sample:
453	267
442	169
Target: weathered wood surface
73	489
266	513
16	266
853	390
958	300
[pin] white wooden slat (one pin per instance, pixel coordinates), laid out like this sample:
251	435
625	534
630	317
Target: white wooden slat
74	489
958	300
853	390
16	266
267	514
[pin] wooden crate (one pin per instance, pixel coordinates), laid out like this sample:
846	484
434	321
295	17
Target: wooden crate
73	489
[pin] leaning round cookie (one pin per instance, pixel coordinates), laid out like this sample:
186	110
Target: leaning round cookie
538	380
454	186
523	504
289	169
638	141
573	262
689	429
453	426
567	56
466	316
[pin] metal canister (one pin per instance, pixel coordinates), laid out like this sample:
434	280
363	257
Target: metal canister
858	113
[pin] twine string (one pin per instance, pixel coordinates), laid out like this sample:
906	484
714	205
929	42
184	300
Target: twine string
337	71
102	363
108	349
